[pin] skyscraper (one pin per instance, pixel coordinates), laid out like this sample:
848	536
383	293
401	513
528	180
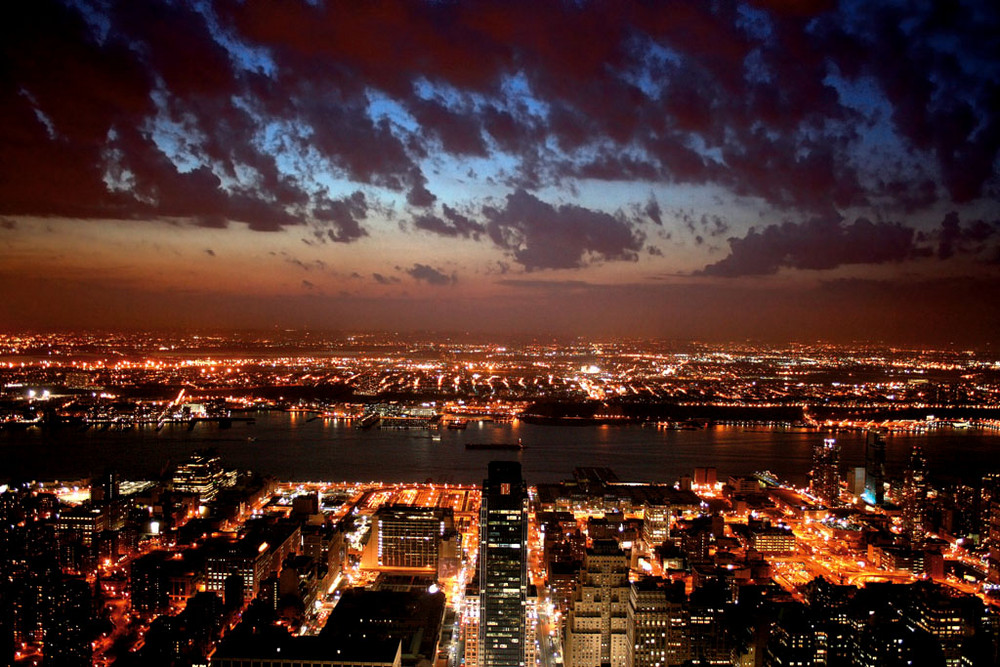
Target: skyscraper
874	468
825	474
503	566
915	495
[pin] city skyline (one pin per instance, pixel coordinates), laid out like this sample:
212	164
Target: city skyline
632	572
772	170
175	498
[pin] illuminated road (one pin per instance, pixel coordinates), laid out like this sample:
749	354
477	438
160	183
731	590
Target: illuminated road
549	644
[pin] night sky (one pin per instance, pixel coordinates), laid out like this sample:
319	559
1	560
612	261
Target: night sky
775	169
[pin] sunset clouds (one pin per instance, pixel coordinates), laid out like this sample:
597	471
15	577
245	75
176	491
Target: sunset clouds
446	144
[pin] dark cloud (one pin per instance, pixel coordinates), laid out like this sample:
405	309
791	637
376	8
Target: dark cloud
104	120
937	64
460	133
950	233
316	264
653	210
801	8
826	243
705	224
338	220
59	96
910	194
430	275
805	105
454	225
954	238
419	195
499	268
539	235
820	243
341	130
714	225
124	124
385	280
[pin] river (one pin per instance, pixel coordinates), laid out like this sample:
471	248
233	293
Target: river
291	446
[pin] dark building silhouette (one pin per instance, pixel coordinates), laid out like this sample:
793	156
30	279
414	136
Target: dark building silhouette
503	572
148	585
797	639
274	647
106	488
67	633
410	619
874	468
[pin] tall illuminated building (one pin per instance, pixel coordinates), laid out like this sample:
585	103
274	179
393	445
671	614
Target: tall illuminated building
503	566
914	500
824	479
874	468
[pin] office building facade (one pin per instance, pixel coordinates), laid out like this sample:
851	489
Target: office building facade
596	632
202	474
914	496
405	537
656	623
503	572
